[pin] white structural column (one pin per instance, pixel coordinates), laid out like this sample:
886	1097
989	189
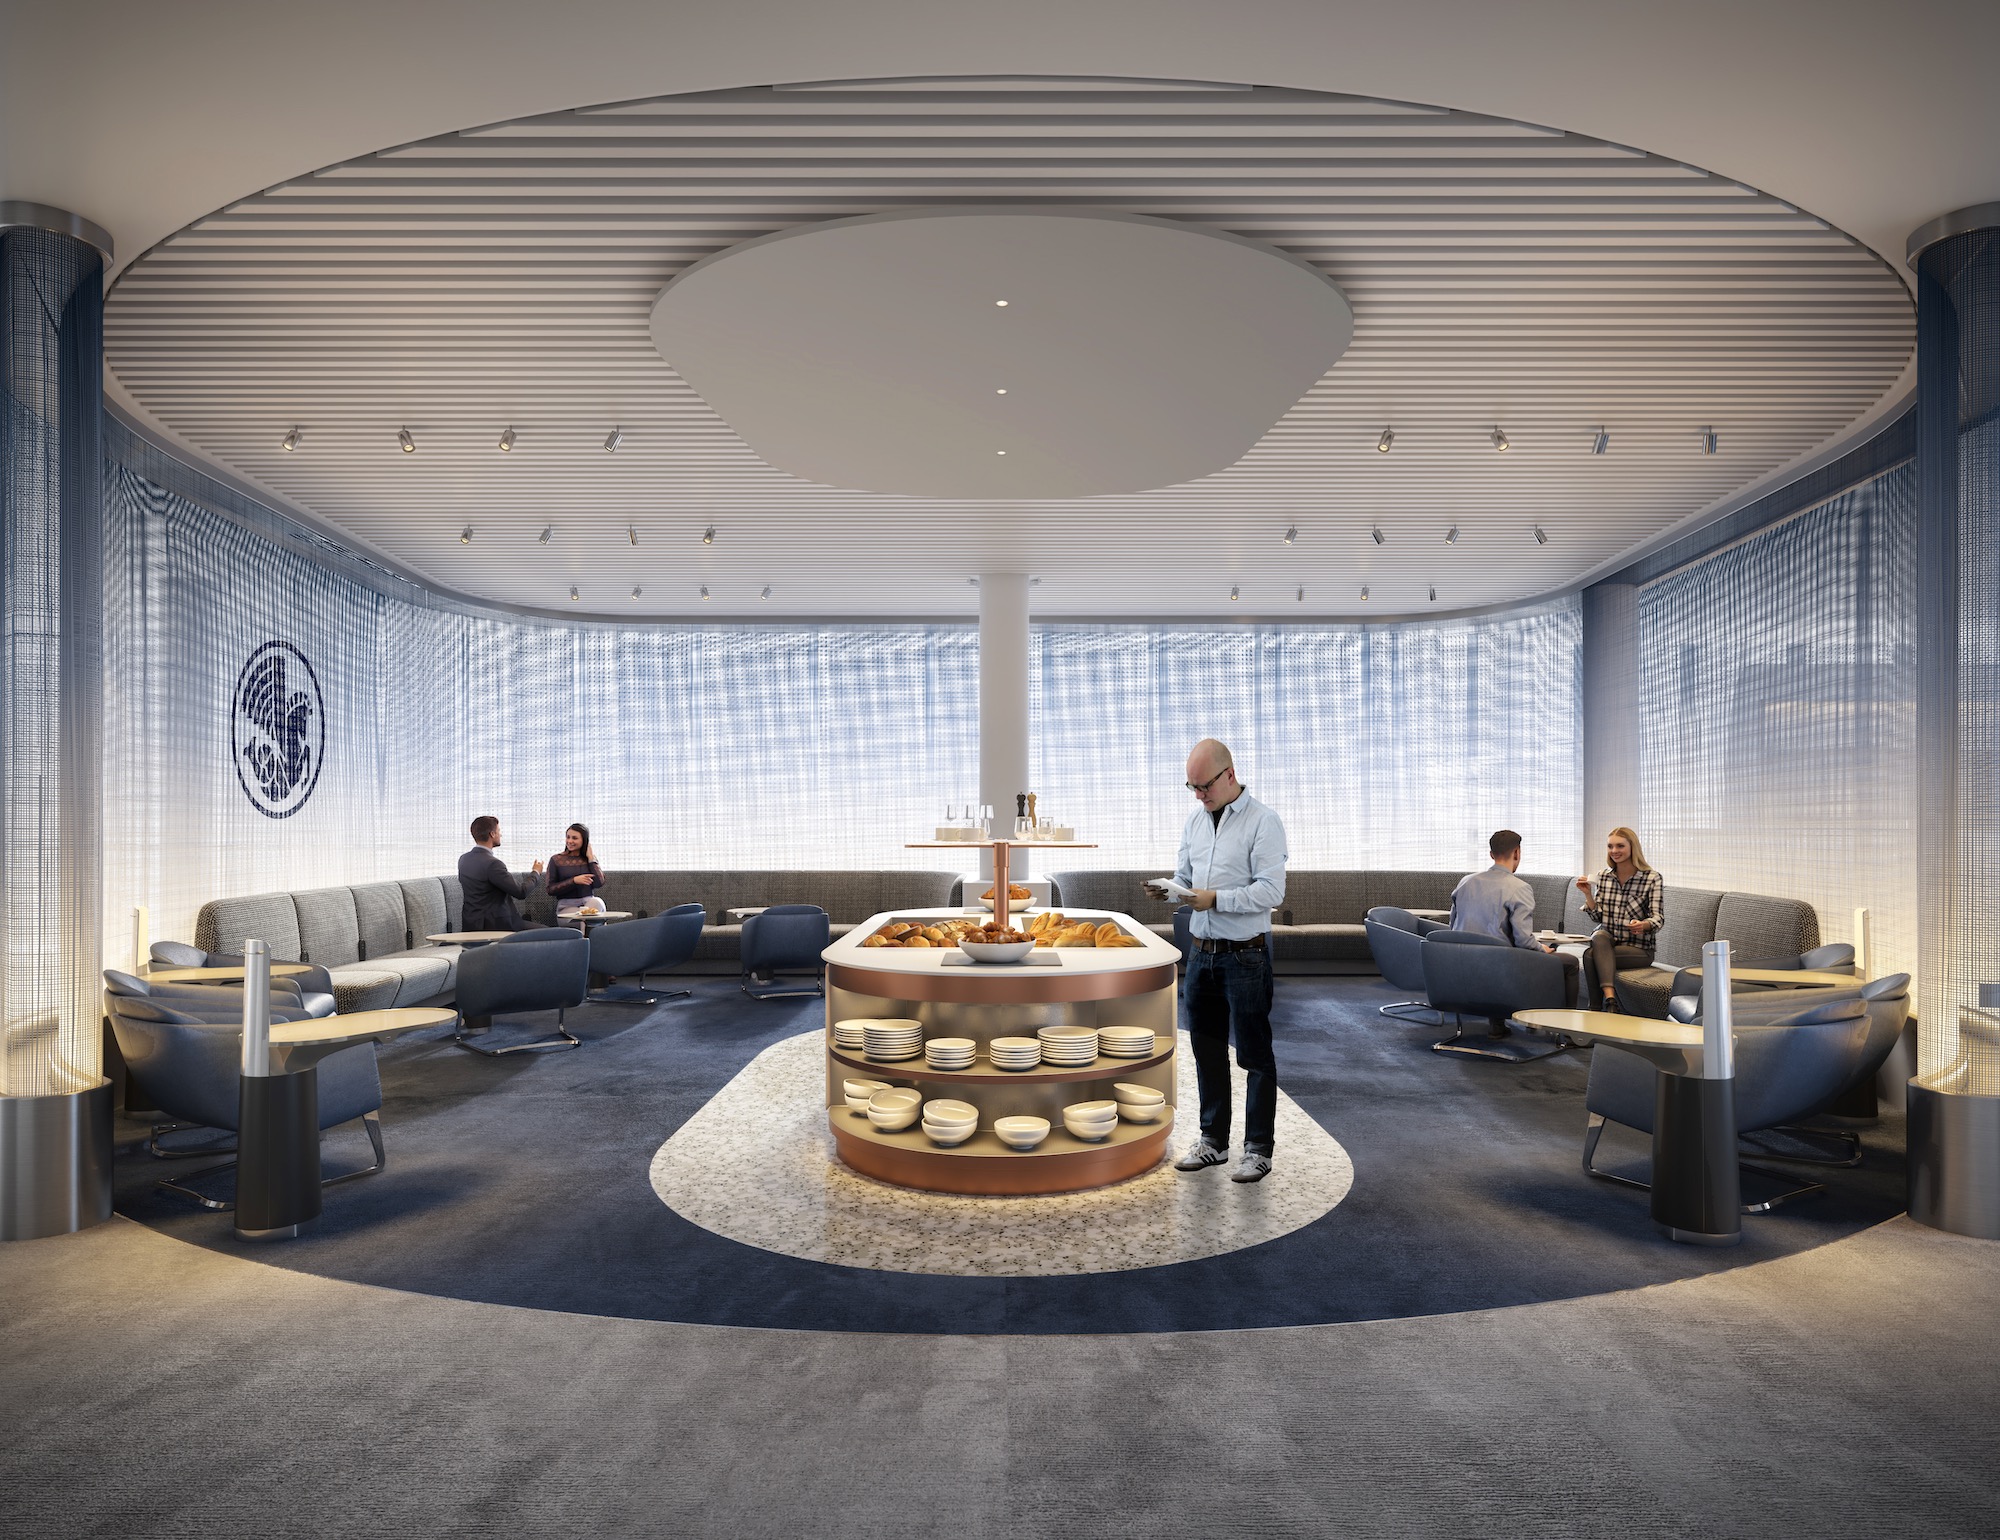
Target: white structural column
1003	702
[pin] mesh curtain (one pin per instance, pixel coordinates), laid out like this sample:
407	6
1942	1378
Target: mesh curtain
51	356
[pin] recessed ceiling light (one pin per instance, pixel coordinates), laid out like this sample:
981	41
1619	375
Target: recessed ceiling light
704	591
574	596
1291	534
1500	441
1600	443
409	444
465	535
290	441
1001	303
613	439
1001	391
1541	538
1233	594
1708	441
766	593
1386	441
708	535
631	534
1451	535
999	451
1375	532
548	533
507	441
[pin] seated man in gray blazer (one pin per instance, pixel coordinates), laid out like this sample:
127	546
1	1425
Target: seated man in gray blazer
490	889
1495	902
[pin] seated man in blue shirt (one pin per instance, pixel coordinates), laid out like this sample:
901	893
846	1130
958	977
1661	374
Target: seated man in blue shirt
1233	856
1495	902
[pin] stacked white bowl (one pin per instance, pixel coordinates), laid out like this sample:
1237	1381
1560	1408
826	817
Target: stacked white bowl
1069	1047
1014	1052
1139	1103
1125	1042
1090	1121
950	1122
895	1109
858	1092
950	1052
1021	1133
849	1033
893	1038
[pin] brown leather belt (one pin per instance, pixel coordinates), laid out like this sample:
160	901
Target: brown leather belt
1222	944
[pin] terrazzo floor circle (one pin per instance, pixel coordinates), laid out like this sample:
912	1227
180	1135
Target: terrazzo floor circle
787	1192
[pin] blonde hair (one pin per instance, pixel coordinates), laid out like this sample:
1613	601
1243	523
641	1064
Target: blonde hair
1631	837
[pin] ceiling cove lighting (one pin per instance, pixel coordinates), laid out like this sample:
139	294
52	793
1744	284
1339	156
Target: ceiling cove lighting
708	535
613	439
574	596
465	535
548	533
1600	443
507	441
1386	442
1709	443
766	593
290	441
1451	535
1500	440
409	444
1292	535
1375	534
1541	536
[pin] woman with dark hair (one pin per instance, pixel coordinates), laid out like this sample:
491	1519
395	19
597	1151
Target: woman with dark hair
1626	903
574	874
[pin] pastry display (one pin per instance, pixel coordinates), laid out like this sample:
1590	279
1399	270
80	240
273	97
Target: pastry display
1015	893
1052	928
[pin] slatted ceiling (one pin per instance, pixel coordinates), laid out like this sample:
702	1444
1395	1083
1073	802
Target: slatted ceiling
1499	272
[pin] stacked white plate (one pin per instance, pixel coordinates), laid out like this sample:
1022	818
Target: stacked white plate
1139	1103
1069	1047
1014	1052
893	1039
848	1034
950	1052
1125	1042
1090	1121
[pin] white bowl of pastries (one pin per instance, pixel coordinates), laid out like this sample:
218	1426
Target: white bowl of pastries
858	1092
1016	894
1090	1121
1021	1133
895	1109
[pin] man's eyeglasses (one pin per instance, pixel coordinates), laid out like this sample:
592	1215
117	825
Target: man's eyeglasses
1198	790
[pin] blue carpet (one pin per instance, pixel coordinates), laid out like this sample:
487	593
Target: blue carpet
523	1181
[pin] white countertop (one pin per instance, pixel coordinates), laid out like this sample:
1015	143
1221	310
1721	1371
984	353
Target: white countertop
1150	953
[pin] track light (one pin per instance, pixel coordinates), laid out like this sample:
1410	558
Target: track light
465	535
632	534
1302	593
1434	593
507	441
704	591
409	444
613	439
548	533
1386	442
1708	441
1500	441
290	441
1602	442
1364	593
1292	535
766	593
637	590
1233	594
1375	533
708	535
1451	535
574	596
1541	537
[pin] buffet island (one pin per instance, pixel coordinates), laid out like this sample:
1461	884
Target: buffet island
1052	1072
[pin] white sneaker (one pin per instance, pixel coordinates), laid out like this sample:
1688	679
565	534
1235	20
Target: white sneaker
1251	1168
1201	1154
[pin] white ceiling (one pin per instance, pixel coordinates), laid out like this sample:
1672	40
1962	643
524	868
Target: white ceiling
1001	354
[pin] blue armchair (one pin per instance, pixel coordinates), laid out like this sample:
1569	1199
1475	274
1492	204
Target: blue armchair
639	947
785	939
315	983
1396	941
531	970
1470	974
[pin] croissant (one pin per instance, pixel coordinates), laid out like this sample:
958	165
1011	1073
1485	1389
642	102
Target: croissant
1106	931
1078	935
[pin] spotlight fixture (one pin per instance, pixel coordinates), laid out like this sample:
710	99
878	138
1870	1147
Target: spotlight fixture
574	596
704	592
1233	594
1386	442
613	439
1375	533
465	535
409	444
1434	593
1708	441
766	593
507	441
1001	303
632	534
708	535
1001	391
999	451
1364	593
1292	534
1541	536
290	441
1451	535
972	582
637	590
548	533
1500	440
1302	593
1600	443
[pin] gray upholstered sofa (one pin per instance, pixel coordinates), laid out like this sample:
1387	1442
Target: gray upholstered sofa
1319	928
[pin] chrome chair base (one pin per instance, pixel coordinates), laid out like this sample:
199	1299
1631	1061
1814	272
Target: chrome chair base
226	1145
775	991
564	1038
1400	1011
1833	1146
1594	1130
643	994
370	1125
1499	1048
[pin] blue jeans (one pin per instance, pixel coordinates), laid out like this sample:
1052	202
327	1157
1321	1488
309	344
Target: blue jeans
1224	992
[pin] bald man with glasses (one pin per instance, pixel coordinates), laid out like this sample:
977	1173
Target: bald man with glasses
1232	857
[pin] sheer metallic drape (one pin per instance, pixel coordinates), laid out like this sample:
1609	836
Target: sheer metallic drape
51	351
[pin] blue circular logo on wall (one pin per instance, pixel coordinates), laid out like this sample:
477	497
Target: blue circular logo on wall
277	729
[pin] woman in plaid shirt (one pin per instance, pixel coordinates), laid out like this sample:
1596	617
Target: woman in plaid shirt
1625	901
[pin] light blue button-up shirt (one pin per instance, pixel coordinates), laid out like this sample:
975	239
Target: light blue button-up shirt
1243	859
